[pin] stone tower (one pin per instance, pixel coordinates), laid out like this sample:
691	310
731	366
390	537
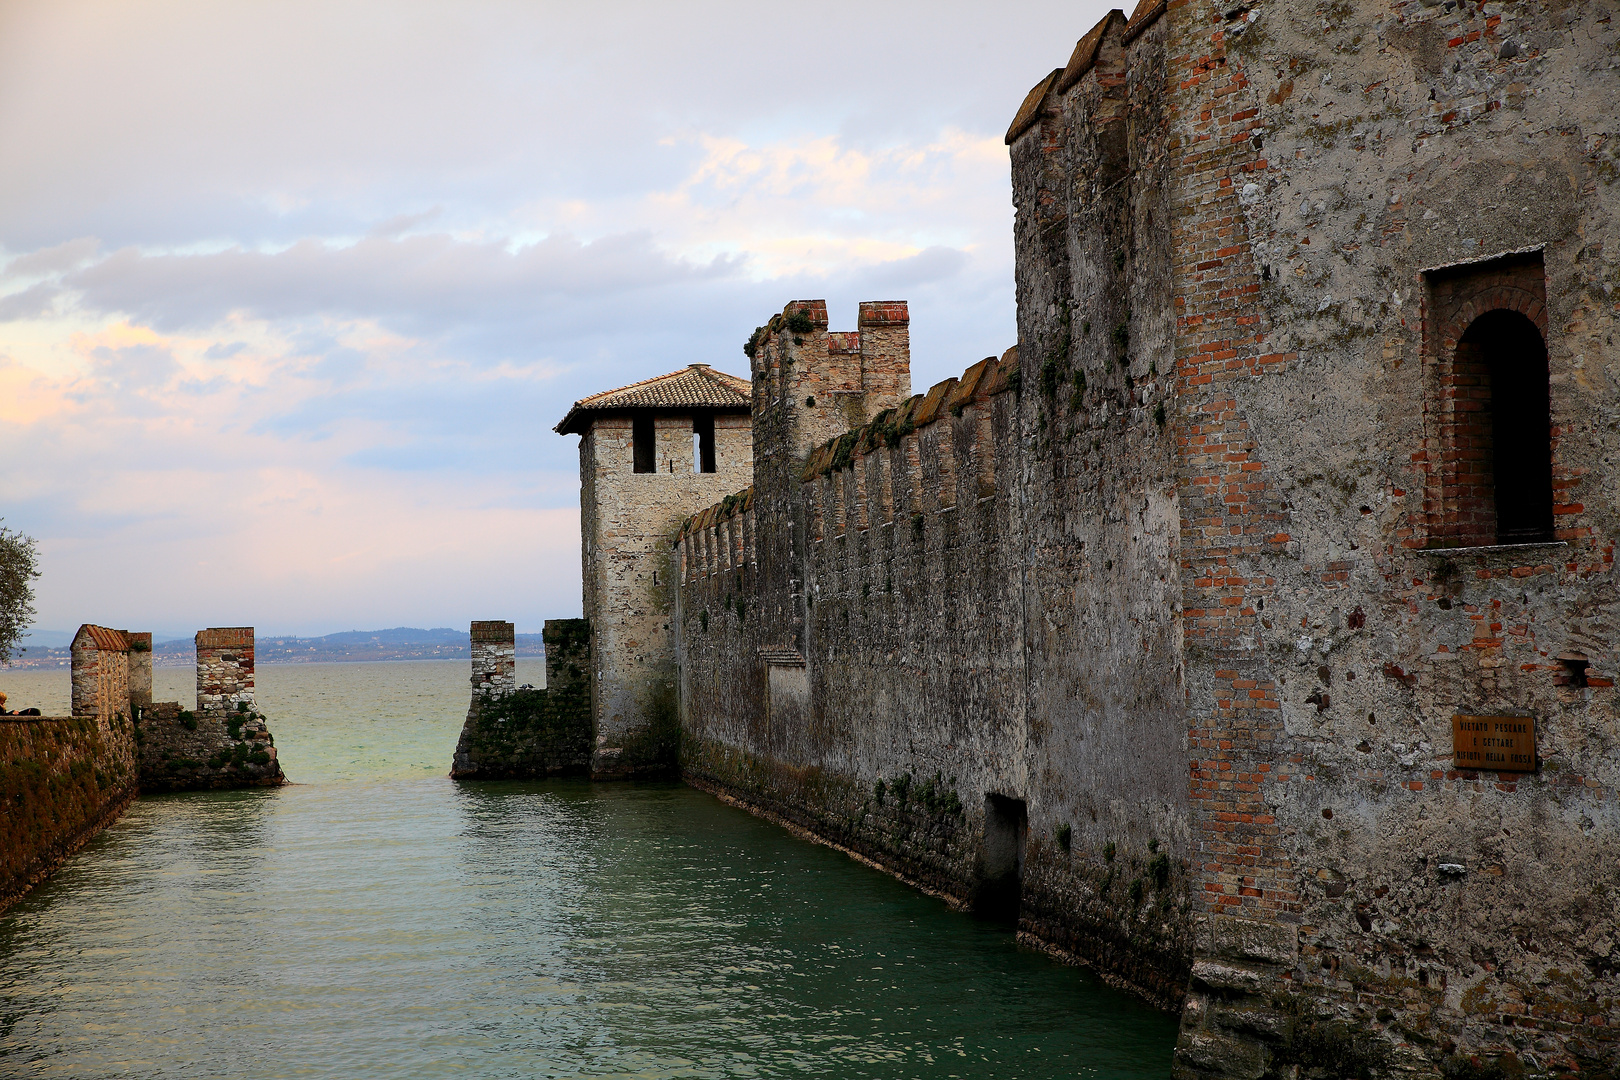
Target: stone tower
649	454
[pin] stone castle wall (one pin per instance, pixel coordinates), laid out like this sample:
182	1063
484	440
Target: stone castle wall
627	518
516	732
1344	181
65	778
1199	581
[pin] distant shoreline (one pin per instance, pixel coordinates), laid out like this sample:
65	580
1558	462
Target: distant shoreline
277	651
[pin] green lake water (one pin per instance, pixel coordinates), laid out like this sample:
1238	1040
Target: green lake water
375	919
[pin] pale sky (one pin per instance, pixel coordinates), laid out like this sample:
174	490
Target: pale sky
292	294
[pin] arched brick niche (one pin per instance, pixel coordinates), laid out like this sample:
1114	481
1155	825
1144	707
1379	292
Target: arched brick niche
1489	442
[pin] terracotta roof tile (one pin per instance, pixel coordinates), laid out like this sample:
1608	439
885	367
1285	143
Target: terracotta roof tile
695	387
104	639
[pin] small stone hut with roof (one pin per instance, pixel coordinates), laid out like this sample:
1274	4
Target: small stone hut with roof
648	454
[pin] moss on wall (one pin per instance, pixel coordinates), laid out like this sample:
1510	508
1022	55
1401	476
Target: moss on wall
62	779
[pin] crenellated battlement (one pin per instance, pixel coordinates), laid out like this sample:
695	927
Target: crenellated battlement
1100	54
902	462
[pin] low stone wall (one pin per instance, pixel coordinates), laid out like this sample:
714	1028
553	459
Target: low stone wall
515	734
181	750
62	780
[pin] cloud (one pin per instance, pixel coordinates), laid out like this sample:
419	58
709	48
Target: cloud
52	260
290	300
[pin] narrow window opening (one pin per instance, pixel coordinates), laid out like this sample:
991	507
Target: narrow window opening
703	443
1006	831
642	439
1505	455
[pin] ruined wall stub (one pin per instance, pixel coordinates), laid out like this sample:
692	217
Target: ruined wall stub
225	670
225	742
140	668
494	658
516	732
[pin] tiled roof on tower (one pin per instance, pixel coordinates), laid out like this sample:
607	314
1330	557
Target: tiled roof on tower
696	386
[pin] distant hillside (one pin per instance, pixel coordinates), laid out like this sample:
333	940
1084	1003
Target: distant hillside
347	646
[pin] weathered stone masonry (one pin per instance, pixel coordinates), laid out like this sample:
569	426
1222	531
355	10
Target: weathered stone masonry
65	778
515	732
1191	585
226	742
641	471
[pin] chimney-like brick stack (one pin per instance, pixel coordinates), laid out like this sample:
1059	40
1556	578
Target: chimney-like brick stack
494	658
140	668
224	670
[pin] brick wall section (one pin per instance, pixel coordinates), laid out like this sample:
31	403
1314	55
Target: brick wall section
494	659
1459	498
1233	520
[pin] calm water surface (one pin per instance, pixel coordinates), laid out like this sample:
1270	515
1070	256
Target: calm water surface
377	920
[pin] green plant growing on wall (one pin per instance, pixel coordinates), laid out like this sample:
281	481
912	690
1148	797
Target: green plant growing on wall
1159	870
1051	373
1122	342
188	719
1064	835
917	525
939	797
879	790
797	322
1136	891
1158	414
1325	1048
751	346
844	453
703	617
1109	851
